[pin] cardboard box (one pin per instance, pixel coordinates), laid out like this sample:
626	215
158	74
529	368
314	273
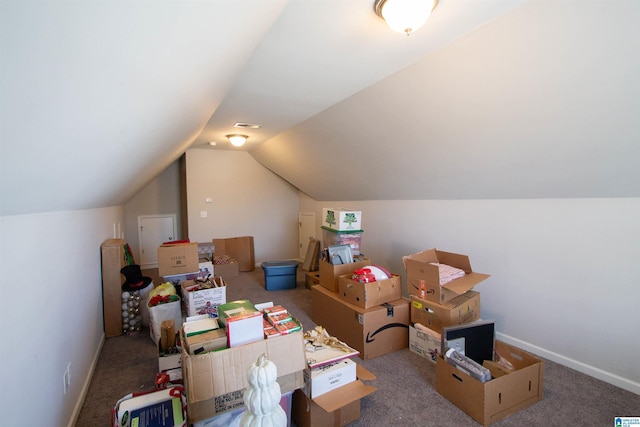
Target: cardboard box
495	399
168	361
203	301
215	382
340	219
367	295
312	278
178	258
227	270
324	379
336	408
418	267
464	308
372	331
330	273
232	418
239	248
426	343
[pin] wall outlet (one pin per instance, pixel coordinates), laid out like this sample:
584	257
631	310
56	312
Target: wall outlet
66	379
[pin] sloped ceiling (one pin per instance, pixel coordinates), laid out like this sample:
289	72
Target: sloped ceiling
491	99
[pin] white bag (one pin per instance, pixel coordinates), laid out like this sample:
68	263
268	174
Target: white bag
161	312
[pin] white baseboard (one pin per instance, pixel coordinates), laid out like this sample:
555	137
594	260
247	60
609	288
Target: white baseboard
87	383
592	371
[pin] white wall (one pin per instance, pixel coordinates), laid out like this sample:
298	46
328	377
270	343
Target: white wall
51	311
247	200
160	196
563	271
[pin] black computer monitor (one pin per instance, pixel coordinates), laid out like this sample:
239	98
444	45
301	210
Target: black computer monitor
475	340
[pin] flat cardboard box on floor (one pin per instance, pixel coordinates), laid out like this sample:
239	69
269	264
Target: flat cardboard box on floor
372	331
336	408
215	382
418	267
501	396
239	248
330	273
367	295
462	309
178	258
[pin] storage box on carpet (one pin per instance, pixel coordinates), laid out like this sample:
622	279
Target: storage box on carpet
353	238
330	273
280	274
424	266
198	300
177	258
464	308
239	248
424	342
232	418
341	219
372	331
215	382
229	269
336	408
499	397
312	278
367	295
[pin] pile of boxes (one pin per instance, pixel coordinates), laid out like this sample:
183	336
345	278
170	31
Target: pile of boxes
371	319
333	383
436	308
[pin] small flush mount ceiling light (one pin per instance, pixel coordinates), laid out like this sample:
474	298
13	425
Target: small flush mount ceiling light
237	139
405	16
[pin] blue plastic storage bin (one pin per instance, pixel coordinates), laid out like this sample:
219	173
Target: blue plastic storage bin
280	274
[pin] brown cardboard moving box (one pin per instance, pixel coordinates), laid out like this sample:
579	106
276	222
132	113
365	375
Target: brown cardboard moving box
330	273
462	309
238	248
178	258
419	267
215	382
372	331
335	408
367	295
504	395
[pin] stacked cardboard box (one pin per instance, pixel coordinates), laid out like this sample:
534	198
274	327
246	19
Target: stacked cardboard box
378	329
436	303
333	383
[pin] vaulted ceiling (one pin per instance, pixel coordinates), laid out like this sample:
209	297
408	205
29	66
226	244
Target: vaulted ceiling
490	99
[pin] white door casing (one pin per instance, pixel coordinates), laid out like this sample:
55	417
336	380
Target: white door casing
306	229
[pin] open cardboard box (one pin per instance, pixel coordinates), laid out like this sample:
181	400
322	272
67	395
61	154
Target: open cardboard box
505	394
372	331
367	295
215	382
330	273
464	308
335	408
418	267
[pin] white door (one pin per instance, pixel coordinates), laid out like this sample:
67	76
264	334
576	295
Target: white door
307	226
153	230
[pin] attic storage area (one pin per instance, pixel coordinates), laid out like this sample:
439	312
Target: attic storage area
505	131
